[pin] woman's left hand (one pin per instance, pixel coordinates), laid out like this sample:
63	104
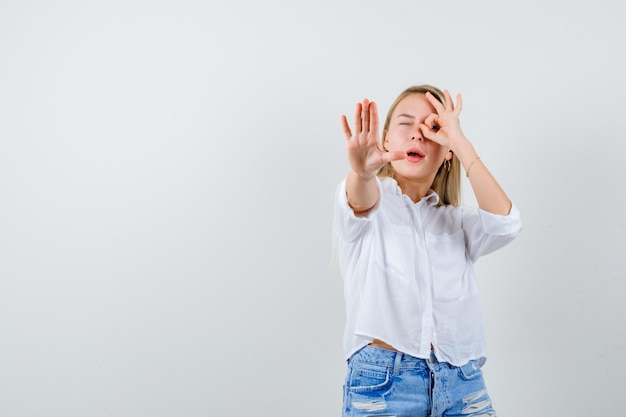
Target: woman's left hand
443	126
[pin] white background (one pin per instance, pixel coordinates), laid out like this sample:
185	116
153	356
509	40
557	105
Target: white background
167	171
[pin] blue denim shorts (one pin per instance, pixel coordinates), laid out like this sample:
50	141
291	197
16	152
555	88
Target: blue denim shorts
383	382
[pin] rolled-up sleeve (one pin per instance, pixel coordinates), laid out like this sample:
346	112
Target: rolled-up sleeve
496	224
349	226
488	232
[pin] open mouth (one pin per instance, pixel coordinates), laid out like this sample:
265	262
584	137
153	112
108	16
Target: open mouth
414	155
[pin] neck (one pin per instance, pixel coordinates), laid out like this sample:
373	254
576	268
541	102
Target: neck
414	189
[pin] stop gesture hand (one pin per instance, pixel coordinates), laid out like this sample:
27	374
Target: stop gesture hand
363	146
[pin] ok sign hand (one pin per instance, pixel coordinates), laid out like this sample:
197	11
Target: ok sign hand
443	126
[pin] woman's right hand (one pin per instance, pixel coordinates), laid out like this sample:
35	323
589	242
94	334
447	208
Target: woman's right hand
363	147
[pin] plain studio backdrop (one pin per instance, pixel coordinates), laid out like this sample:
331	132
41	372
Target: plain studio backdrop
167	175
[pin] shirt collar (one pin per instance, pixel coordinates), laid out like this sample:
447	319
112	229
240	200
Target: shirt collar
390	184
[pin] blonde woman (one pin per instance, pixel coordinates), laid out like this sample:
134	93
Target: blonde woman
414	338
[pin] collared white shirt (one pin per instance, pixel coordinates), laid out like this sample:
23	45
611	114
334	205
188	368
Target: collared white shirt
408	273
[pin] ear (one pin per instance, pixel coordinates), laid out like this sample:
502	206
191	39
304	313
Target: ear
384	140
449	155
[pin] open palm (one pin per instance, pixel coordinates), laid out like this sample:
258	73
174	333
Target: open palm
363	146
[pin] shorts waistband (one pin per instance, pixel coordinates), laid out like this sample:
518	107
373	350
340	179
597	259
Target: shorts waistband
391	358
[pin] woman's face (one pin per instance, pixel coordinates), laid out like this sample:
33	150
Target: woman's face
424	157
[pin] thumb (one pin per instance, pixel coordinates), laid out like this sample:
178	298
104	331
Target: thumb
393	156
430	134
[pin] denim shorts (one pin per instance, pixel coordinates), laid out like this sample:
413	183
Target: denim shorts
383	382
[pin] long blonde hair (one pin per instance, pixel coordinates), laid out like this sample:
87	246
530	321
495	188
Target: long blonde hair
447	183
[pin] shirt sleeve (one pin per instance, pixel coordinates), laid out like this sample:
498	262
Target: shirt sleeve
487	232
349	226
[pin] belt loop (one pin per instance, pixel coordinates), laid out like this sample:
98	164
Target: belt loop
396	363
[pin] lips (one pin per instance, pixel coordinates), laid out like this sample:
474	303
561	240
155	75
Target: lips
414	155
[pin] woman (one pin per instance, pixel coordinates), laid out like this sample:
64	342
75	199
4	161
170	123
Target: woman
414	336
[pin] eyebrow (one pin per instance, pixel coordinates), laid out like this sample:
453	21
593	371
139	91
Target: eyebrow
405	115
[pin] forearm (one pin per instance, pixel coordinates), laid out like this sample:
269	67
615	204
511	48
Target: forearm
489	194
362	192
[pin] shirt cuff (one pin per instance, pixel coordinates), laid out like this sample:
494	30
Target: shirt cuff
499	225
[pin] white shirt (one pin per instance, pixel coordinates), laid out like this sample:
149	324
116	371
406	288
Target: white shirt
408	273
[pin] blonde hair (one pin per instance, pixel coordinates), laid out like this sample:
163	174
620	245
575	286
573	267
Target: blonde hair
447	183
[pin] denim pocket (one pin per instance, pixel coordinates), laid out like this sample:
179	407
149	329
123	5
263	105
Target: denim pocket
470	370
365	378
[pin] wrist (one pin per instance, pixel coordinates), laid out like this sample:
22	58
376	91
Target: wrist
470	165
367	177
364	176
465	151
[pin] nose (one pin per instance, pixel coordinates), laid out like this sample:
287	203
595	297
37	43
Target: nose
419	138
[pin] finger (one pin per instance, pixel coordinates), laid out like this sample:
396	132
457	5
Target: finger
373	116
459	103
432	122
393	156
346	127
357	119
448	99
430	134
365	115
435	103
426	131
